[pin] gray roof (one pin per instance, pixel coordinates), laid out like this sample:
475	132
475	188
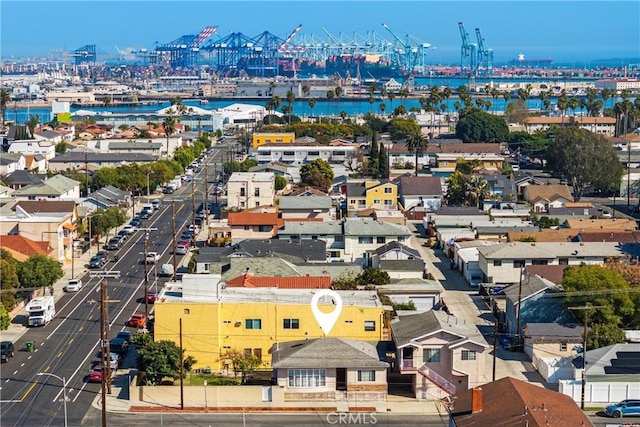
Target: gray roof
329	228
135	145
49	134
514	250
79	157
369	227
309	202
402	265
409	328
554	332
265	266
504	230
420	185
21	177
54	186
269	168
213	254
600	361
109	195
413	286
10	158
392	246
306	249
530	286
325	353
357	189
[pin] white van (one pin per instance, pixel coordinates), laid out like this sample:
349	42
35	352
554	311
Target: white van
148	207
156	204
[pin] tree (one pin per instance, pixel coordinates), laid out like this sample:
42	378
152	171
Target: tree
417	143
585	159
476	125
312	104
39	271
32	123
5	98
383	163
374	166
8	279
281	182
391	97
402	128
516	111
160	359
106	220
241	363
290	98
382	107
5	320
169	125
61	147
317	173
373	276
598	286
330	95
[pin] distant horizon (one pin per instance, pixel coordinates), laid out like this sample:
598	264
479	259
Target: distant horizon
567	31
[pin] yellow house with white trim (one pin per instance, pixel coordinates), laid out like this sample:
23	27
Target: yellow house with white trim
371	194
273	138
218	320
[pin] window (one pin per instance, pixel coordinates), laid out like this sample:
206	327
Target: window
366	240
368	375
369	325
314	153
257	204
563	261
243	192
247	351
381	239
253	324
497	262
362	203
388	190
563	346
227	322
539	262
376	201
291	323
265	228
431	355
186	311
256	192
388	202
247	227
307	378
257	352
518	263
289	153
468	355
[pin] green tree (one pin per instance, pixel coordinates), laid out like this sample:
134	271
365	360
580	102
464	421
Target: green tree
476	125
373	276
383	163
39	271
317	173
169	125
5	320
585	159
241	363
400	128
290	98
346	281
417	143
281	182
105	220
603	288
8	279
32	124
516	111
375	152
61	147
312	104
5	98
160	359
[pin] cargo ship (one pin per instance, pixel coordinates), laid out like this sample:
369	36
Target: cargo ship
365	66
521	61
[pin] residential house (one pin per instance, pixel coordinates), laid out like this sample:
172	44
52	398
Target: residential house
597	125
330	232
392	216
446	163
443	354
32	146
306	372
502	187
259	138
125	146
5	192
543	235
21	178
542	197
107	197
81	159
35	162
503	210
575	210
21	247
48	135
502	264
601	224
422	191
534	301
522	180
362	235
248	280
423	293
311	207
290	173
466	259
392	251
550	347
248	189
508	401
612	375
400	157
285	266
58	187
11	162
252	320
249	225
300	154
307	191
371	194
405	269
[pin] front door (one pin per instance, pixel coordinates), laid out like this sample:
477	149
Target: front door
341	379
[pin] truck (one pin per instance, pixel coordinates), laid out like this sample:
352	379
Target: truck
40	311
172	185
166	270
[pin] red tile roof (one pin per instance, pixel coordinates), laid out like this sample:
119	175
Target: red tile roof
24	246
517	403
248	218
609	236
302	282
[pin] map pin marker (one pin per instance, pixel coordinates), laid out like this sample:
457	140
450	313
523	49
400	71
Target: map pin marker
326	320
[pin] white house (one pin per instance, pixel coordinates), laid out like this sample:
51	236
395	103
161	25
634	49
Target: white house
250	189
362	235
11	162
32	146
295	154
58	187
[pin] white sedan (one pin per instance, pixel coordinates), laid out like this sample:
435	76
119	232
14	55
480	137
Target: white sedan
74	285
153	257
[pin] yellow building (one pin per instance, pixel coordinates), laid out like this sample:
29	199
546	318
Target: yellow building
371	194
273	138
218	320
447	162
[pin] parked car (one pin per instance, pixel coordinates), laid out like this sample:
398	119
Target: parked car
137	320
6	351
113	359
151	296
606	214
114	243
187	235
156	204
145	214
119	346
185	242
95	374
97	262
624	408
152	257
130	228
125	335
181	250
135	222
74	285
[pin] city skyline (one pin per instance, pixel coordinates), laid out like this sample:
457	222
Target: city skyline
565	31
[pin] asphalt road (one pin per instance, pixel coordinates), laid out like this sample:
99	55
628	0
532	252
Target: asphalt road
67	345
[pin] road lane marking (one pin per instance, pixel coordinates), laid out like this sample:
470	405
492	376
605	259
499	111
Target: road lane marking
29	358
9	379
15	372
59	354
80	391
71	340
22	364
26	393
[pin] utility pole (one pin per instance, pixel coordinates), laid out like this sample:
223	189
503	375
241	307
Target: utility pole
193	211
146	270
173	236
181	369
206	197
586	308
495	347
519	308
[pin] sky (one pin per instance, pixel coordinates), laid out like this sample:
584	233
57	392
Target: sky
564	30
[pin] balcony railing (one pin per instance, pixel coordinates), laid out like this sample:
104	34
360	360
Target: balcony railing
407	364
437	379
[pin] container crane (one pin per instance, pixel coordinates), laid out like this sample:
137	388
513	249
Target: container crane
407	54
467	53
485	55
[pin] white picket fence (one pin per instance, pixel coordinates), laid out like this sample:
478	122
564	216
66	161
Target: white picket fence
596	392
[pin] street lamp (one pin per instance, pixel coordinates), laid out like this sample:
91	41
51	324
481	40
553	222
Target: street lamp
64	392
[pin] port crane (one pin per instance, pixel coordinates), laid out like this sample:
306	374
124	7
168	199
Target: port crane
184	51
485	55
467	54
408	54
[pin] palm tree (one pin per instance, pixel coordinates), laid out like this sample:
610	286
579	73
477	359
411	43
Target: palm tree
5	98
495	94
582	105
371	101
338	92
330	95
606	94
563	103
476	190
269	106
272	86
106	101
573	104
312	103
290	98
169	125
276	101
32	123
417	143
305	92
391	97
382	107
506	95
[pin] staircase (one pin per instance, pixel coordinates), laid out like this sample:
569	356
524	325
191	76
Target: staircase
436	379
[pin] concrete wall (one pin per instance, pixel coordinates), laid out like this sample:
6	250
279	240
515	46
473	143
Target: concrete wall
194	396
